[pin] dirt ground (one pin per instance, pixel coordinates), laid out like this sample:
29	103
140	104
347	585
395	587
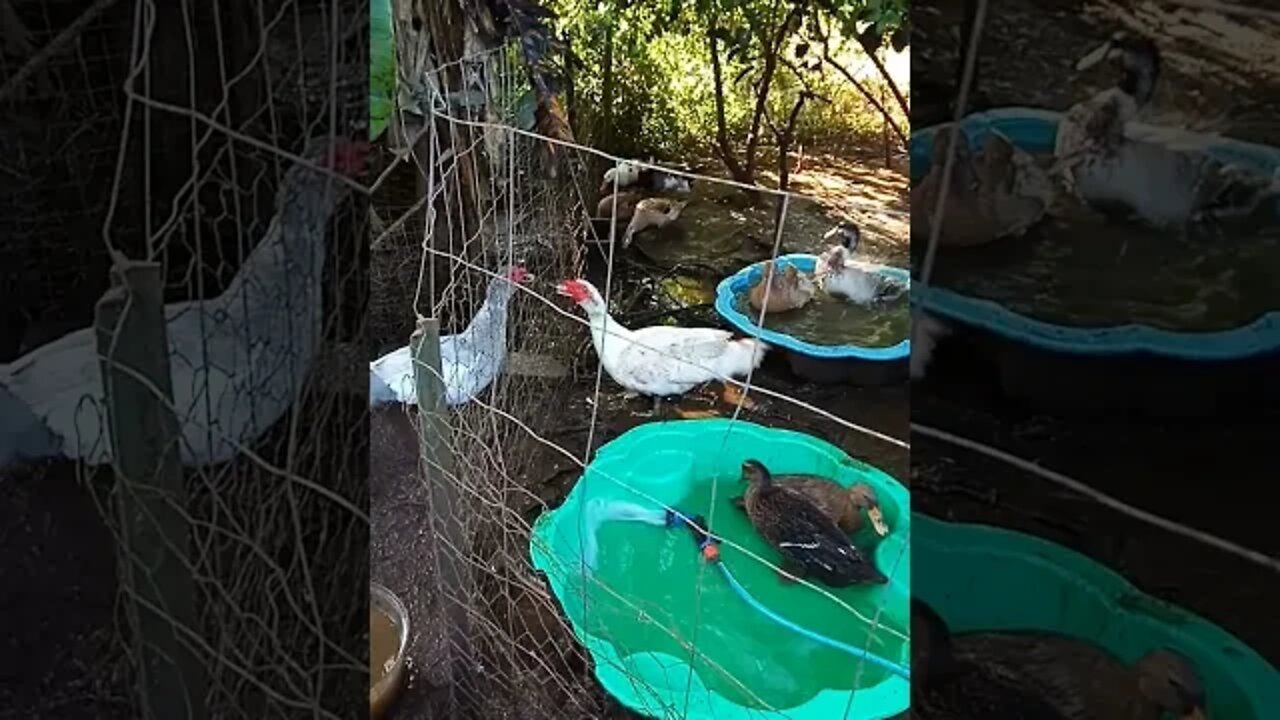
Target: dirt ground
1218	76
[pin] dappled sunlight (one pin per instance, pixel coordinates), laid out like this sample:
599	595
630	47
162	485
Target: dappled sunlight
842	187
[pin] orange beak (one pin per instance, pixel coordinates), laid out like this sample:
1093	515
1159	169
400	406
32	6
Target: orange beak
877	521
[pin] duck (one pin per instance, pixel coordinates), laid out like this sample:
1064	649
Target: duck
788	290
1000	192
845	505
945	686
836	274
661	360
810	542
236	359
654	212
626	205
1086	681
469	360
926	332
628	173
1164	178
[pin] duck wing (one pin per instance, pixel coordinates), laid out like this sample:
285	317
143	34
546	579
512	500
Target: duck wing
806	537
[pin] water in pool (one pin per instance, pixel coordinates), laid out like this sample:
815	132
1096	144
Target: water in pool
834	321
743	656
1089	272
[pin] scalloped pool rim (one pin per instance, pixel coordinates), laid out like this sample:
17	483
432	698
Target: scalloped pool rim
1258	680
1256	338
610	666
737	283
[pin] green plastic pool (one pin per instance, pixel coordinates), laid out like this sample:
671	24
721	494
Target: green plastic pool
650	599
983	578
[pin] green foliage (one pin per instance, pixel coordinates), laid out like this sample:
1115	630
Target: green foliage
382	67
663	100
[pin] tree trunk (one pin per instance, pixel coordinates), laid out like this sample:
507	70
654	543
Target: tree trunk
724	147
606	90
771	49
888	79
879	106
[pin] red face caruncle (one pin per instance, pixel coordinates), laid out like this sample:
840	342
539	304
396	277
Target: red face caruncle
517	274
575	290
350	157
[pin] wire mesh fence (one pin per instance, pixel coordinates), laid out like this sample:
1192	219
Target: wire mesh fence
531	403
199	138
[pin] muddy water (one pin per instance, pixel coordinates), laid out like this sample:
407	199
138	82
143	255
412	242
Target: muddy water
1098	273
827	320
384	642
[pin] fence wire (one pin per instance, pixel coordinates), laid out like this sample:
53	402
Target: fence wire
126	141
487	201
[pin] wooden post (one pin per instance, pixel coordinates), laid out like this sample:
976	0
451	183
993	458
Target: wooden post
442	483
133	356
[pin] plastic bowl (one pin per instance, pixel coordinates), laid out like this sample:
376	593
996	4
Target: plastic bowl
384	693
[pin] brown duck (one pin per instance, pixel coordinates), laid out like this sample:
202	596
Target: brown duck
1085	681
946	686
627	202
810	543
788	290
845	505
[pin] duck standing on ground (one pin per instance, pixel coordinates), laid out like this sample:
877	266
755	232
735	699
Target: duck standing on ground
469	360
836	274
236	360
945	686
788	290
661	361
652	213
810	543
1085	681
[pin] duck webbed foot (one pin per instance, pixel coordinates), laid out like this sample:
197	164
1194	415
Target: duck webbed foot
739	502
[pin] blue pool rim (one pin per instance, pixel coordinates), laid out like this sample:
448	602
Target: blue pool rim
729	289
1034	130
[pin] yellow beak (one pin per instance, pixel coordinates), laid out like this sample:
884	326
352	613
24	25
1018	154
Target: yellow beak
877	521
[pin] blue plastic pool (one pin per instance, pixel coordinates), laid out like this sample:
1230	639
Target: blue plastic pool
1035	130
735	285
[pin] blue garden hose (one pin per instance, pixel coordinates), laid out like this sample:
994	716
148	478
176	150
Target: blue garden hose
707	545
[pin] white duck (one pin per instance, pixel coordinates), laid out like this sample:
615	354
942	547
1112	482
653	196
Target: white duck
836	274
652	213
1166	178
661	361
469	361
237	360
926	332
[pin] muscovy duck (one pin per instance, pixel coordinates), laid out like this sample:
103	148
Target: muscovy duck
661	361
836	273
237	360
469	361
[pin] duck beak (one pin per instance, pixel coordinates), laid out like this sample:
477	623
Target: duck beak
1098	54
877	521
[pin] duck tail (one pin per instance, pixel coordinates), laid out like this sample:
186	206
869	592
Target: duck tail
925	334
744	355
